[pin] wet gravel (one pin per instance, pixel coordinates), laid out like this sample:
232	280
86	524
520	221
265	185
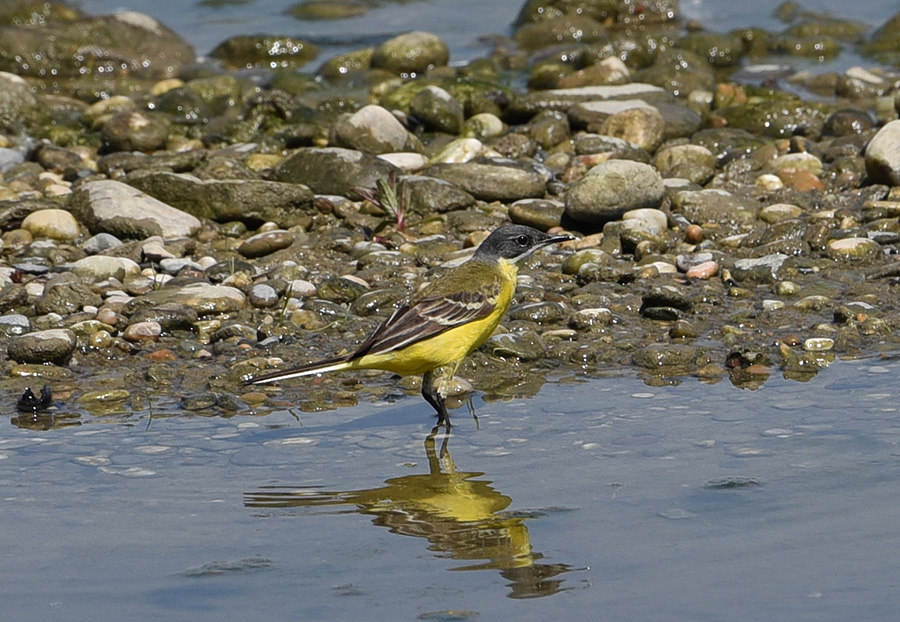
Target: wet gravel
170	228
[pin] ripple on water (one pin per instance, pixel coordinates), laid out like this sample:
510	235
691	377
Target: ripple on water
879	369
93	460
152	450
778	433
291	441
247	564
676	514
127	471
748	452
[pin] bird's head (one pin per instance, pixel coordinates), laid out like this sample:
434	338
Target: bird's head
515	242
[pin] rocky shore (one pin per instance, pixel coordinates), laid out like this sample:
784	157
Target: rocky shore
171	226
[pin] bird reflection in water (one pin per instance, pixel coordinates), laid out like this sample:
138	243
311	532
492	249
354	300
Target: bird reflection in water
462	518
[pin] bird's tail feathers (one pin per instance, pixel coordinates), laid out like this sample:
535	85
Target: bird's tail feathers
319	367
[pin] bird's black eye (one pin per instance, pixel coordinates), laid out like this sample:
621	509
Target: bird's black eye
522	240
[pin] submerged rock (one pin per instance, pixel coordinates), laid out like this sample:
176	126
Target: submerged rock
271	52
411	54
18	104
124	43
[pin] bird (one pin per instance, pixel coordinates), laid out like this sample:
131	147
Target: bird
438	326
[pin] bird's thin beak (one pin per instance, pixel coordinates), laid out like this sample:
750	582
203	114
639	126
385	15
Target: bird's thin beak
551	240
556	239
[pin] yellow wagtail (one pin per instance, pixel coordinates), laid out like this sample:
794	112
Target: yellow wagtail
445	321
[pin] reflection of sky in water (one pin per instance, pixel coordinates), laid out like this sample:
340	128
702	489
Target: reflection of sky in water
680	502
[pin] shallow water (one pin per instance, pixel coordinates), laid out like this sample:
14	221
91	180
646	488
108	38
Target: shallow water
465	25
603	495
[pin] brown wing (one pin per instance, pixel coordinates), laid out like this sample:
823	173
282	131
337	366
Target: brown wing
429	316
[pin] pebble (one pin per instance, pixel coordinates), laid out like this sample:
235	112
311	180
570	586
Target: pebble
779	212
98	268
108	206
99	243
641	126
301	289
373	129
818	344
100	339
798	162
263	295
154	250
658	355
459	151
703	271
683	329
882	155
769	181
14	325
169	315
437	110
107	107
482	126
687	261
266	243
585	319
133	130
10	157
760	268
541	214
410	54
94	398
494	179
525	346
210	299
801	180
56	224
175	265
651	221
333	170
406	161
142	331
693	234
47	346
612	188
852	248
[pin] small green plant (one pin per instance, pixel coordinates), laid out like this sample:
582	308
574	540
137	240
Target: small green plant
387	198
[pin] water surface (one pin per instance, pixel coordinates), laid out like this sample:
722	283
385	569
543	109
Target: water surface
467	26
645	503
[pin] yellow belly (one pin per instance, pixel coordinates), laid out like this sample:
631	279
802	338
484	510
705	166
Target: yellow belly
446	348
440	350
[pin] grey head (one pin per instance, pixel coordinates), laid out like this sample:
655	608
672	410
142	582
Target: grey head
515	243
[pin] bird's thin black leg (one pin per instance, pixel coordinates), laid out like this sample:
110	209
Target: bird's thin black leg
471	406
434	398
